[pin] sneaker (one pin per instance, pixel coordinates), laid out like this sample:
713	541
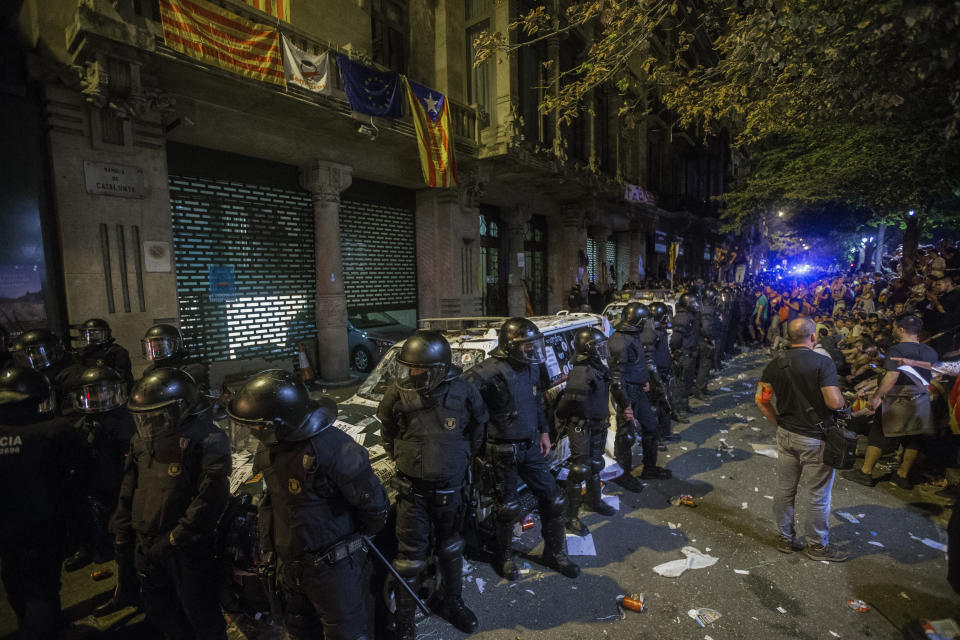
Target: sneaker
826	552
900	481
788	545
858	476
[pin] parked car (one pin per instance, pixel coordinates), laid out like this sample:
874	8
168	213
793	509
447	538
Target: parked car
370	335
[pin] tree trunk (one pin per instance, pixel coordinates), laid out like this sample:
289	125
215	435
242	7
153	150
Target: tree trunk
911	238
878	256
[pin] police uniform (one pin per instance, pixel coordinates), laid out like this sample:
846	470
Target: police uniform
175	488
684	345
654	339
709	336
39	459
322	494
431	437
585	407
629	373
513	394
109	353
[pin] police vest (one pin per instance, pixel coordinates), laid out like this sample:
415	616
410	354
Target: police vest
686	325
588	390
309	512
432	444
626	352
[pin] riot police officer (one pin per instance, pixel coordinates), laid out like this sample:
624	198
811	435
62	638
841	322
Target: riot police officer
38	467
98	345
585	406
322	496
163	346
106	428
656	341
432	424
709	334
630	381
42	350
684	347
175	488
518	442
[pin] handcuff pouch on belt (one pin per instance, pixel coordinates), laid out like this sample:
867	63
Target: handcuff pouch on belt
437	497
336	553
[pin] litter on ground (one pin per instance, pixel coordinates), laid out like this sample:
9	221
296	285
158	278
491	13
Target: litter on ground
577	546
695	559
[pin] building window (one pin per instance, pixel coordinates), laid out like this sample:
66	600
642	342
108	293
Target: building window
391	32
478	81
476	8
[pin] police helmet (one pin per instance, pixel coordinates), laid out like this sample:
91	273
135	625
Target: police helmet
634	315
95	331
689	302
590	343
275	406
660	311
521	342
37	349
21	384
162	341
101	389
423	362
161	401
711	295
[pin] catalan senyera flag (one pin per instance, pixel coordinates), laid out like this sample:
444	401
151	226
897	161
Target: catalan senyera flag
213	35
672	257
277	8
431	117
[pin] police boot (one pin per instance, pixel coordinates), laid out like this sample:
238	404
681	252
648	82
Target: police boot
503	564
623	454
405	619
574	524
678	418
595	498
650	469
78	560
452	608
555	548
127	592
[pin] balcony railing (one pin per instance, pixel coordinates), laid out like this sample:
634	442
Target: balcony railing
464	117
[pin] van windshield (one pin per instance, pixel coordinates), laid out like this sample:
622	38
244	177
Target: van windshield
379	379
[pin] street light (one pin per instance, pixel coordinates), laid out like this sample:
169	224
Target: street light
911	212
780	213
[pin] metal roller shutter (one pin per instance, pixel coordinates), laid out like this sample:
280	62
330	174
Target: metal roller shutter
265	234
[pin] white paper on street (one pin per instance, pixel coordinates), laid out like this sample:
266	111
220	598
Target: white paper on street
695	559
580	546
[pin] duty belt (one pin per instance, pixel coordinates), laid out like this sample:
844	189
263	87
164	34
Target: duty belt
337	552
520	444
440	496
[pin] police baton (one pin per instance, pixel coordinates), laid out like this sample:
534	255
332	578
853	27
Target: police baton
396	576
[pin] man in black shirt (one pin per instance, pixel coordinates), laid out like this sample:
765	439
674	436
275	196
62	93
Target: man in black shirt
887	437
805	385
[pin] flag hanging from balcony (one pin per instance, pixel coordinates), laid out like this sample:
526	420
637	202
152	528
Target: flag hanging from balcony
313	72
369	91
279	9
431	117
213	35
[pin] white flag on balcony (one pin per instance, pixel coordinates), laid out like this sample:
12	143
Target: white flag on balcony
313	72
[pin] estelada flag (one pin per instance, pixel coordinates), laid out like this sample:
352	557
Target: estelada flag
213	35
279	9
431	117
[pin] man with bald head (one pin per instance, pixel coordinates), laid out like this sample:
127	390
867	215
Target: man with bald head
807	391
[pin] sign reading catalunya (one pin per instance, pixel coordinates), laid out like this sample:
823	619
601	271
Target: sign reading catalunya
114	180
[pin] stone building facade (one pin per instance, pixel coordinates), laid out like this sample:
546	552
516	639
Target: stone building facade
255	215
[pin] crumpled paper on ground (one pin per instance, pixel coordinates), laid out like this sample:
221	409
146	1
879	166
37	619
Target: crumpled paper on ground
695	559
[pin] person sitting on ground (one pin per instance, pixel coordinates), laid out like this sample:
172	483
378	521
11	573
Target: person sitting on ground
886	437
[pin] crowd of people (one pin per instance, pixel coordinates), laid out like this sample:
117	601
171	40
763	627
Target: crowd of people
138	470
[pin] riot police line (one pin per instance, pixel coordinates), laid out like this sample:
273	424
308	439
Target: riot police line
143	475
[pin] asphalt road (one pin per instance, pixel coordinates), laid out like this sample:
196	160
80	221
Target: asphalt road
781	596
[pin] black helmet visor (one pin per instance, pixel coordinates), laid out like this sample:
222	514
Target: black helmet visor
37	356
157	422
417	377
529	350
263	430
161	347
99	398
95	335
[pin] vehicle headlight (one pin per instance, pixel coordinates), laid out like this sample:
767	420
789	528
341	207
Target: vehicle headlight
382	344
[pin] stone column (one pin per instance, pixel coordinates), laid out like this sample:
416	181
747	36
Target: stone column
326	180
448	255
516	219
566	237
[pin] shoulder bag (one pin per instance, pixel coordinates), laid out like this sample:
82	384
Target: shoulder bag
840	444
906	408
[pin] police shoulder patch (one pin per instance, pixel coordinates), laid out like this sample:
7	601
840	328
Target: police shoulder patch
294	486
308	461
450	424
174	469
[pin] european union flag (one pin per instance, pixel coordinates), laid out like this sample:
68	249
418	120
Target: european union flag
375	93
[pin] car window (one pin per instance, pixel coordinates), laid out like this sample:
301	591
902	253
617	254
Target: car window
613	312
379	379
372	319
